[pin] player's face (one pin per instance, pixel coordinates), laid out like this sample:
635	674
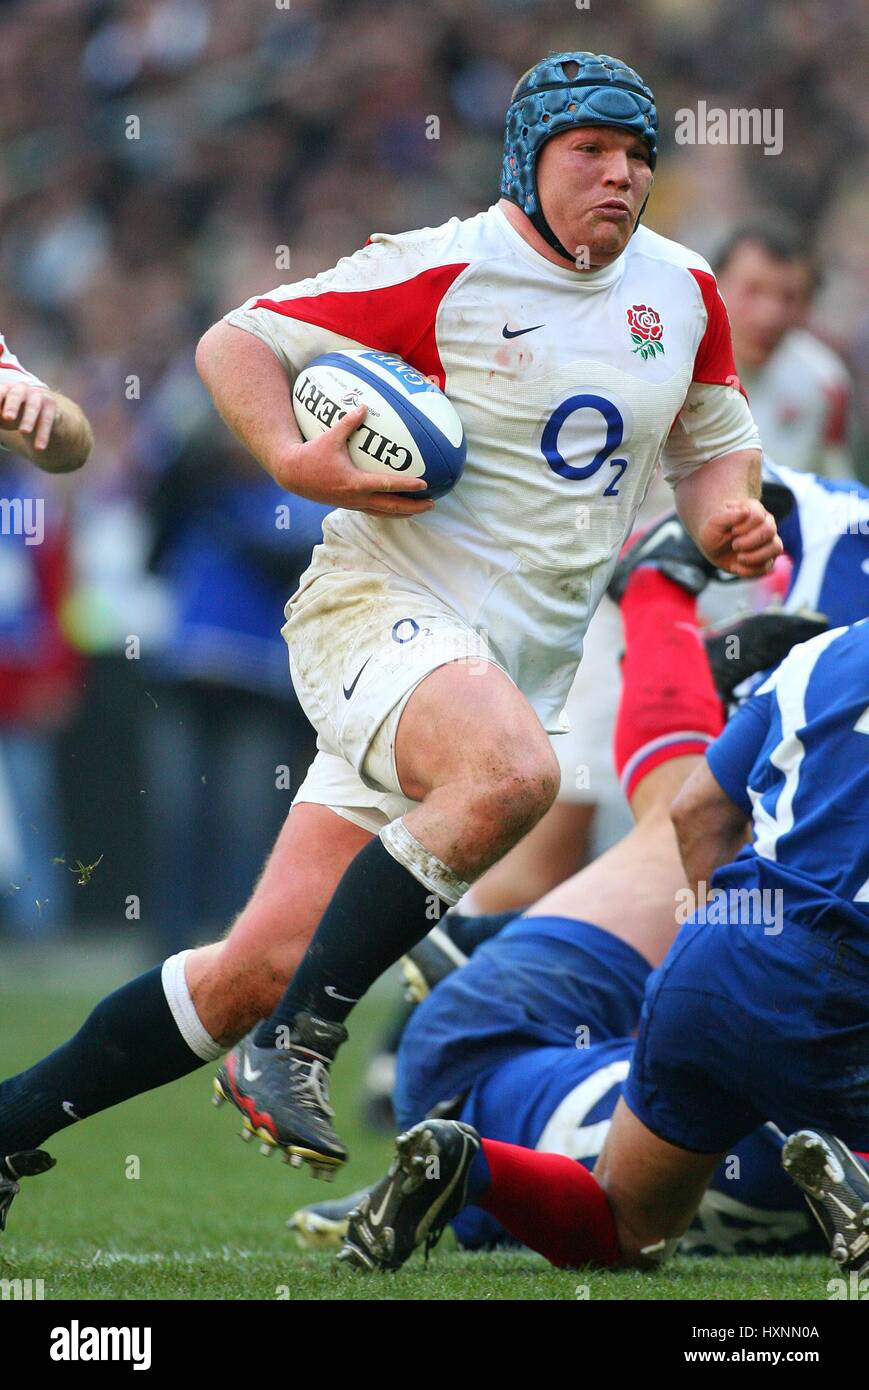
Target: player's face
592	183
765	297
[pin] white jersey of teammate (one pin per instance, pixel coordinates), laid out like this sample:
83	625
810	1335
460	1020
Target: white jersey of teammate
568	385
10	367
799	399
12	370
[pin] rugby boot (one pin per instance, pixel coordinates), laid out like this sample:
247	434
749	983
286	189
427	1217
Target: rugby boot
323	1225
283	1094
28	1163
835	1184
754	642
426	1186
430	961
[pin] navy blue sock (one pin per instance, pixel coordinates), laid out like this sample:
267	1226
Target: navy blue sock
470	932
377	912
130	1043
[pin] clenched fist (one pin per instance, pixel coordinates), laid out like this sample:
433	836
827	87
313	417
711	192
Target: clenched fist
741	537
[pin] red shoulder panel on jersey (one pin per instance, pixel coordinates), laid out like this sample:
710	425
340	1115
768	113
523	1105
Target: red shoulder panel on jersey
7	360
394	318
713	361
836	423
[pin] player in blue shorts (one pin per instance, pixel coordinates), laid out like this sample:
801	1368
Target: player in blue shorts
530	1042
760	1011
544	1080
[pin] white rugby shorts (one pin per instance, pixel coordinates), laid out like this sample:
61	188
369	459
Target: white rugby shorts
360	641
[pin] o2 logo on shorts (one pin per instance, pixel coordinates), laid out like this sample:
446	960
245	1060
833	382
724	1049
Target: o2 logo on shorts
615	433
405	630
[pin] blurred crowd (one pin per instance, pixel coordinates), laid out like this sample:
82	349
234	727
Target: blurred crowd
161	161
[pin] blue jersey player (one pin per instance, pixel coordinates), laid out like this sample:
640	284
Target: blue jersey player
760	1011
826	536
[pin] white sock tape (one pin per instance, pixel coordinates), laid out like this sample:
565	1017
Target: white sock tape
183	1009
426	868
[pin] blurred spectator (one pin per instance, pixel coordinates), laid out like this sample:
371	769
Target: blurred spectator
225	742
798	387
38	687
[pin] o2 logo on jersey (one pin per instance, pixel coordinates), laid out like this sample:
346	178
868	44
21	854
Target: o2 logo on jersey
615	433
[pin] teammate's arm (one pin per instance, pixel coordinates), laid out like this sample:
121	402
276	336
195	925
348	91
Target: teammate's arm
719	504
42	425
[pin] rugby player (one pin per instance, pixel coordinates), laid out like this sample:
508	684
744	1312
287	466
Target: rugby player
747	1021
433	647
799	388
530	1042
570	341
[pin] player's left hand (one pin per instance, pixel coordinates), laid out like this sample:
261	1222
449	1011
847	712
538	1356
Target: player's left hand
30	409
741	537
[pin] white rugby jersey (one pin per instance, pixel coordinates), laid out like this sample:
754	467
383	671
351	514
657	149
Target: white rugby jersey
800	399
11	368
568	385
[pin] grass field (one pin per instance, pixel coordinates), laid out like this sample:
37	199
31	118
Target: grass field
205	1217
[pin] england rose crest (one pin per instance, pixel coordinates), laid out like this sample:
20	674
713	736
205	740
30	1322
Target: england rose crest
646	330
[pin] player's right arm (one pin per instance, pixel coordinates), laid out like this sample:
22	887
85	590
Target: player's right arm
251	392
386	296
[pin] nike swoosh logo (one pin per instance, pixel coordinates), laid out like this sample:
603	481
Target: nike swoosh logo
843	1208
673	530
332	991
348	690
375	1217
67	1108
248	1072
517	332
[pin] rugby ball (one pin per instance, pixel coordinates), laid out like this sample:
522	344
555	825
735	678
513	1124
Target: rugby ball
411	429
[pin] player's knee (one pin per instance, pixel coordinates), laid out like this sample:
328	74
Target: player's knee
511	796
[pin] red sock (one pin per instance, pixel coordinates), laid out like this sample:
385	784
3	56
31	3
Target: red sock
550	1203
669	706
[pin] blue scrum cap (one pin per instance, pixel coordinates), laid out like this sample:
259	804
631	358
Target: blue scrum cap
566	90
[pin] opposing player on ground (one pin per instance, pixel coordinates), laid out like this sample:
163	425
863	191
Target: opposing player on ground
37	423
433	647
530	1042
749	1018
